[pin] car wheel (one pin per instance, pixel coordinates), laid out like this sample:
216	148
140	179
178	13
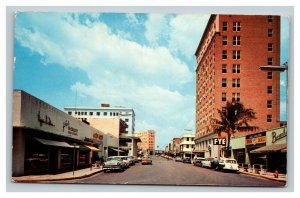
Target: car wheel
105	171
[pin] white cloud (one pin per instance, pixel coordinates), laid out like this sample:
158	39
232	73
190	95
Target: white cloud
121	72
156	28
131	17
186	31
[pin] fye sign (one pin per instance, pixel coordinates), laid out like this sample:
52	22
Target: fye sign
219	141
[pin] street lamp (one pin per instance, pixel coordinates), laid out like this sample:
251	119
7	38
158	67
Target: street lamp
283	68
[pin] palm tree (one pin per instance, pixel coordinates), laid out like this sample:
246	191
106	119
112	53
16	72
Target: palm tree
234	117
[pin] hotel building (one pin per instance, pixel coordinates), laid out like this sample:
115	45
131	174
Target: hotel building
228	57
147	144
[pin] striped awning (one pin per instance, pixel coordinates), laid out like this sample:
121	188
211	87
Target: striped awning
54	143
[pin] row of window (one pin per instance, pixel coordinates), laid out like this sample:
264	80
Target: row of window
235	82
236	26
236	40
236	54
187	146
235	68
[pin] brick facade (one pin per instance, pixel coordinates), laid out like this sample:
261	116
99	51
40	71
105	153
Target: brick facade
228	61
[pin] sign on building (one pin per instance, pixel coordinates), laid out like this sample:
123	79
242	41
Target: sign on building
219	141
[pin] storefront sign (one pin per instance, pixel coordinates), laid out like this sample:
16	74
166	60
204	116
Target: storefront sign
276	137
256	139
97	136
46	120
71	130
219	141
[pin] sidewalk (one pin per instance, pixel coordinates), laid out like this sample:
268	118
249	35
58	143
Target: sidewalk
267	175
63	176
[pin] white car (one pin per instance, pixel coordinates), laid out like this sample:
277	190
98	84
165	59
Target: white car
113	163
228	164
207	162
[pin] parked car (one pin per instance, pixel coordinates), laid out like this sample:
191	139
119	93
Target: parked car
125	160
113	163
187	160
198	161
135	158
130	160
226	164
139	158
210	163
146	160
178	159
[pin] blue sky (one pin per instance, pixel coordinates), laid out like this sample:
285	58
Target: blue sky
143	61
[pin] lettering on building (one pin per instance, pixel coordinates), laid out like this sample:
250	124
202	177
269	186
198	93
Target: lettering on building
44	120
97	136
71	130
256	139
219	141
276	137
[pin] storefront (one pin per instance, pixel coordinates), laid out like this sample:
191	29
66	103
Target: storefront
252	142
238	149
47	140
275	150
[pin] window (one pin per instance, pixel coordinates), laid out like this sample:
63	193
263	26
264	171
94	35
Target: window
269	89
224	40
223	109
270	75
223	96
270	32
187	146
225	24
98	113
91	113
269	104
224	68
269	118
224	82
236	54
236	26
70	112
235	82
270	47
126	120
236	40
224	54
270	61
85	113
105	113
235	97
187	139
270	19
236	68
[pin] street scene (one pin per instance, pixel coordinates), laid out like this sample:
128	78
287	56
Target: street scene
155	99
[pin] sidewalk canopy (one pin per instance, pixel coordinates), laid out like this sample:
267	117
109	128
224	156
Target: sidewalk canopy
92	148
53	143
270	148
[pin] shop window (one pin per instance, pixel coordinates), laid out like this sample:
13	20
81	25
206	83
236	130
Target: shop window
66	158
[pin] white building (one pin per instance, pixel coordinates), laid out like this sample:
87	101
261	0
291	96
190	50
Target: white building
105	111
187	145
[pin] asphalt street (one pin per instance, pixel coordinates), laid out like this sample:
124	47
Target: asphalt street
169	172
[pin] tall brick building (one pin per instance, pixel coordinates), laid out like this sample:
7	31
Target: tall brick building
229	55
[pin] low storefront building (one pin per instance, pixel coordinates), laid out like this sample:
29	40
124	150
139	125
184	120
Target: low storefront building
47	140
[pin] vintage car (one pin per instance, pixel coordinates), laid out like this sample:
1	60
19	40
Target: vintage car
187	160
146	160
178	159
198	161
131	160
113	163
226	164
210	162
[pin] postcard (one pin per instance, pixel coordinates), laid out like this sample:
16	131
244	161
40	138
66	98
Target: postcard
151	99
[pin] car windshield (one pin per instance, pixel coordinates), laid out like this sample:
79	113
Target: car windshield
111	159
230	161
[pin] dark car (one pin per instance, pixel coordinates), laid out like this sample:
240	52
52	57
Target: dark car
198	161
187	160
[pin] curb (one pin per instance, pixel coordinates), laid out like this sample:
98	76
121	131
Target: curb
58	179
265	177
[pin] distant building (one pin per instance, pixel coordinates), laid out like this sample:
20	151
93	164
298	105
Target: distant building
147	144
187	145
118	122
105	111
176	146
229	55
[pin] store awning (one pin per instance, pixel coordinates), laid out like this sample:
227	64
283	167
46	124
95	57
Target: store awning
92	148
54	143
199	151
116	149
270	148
